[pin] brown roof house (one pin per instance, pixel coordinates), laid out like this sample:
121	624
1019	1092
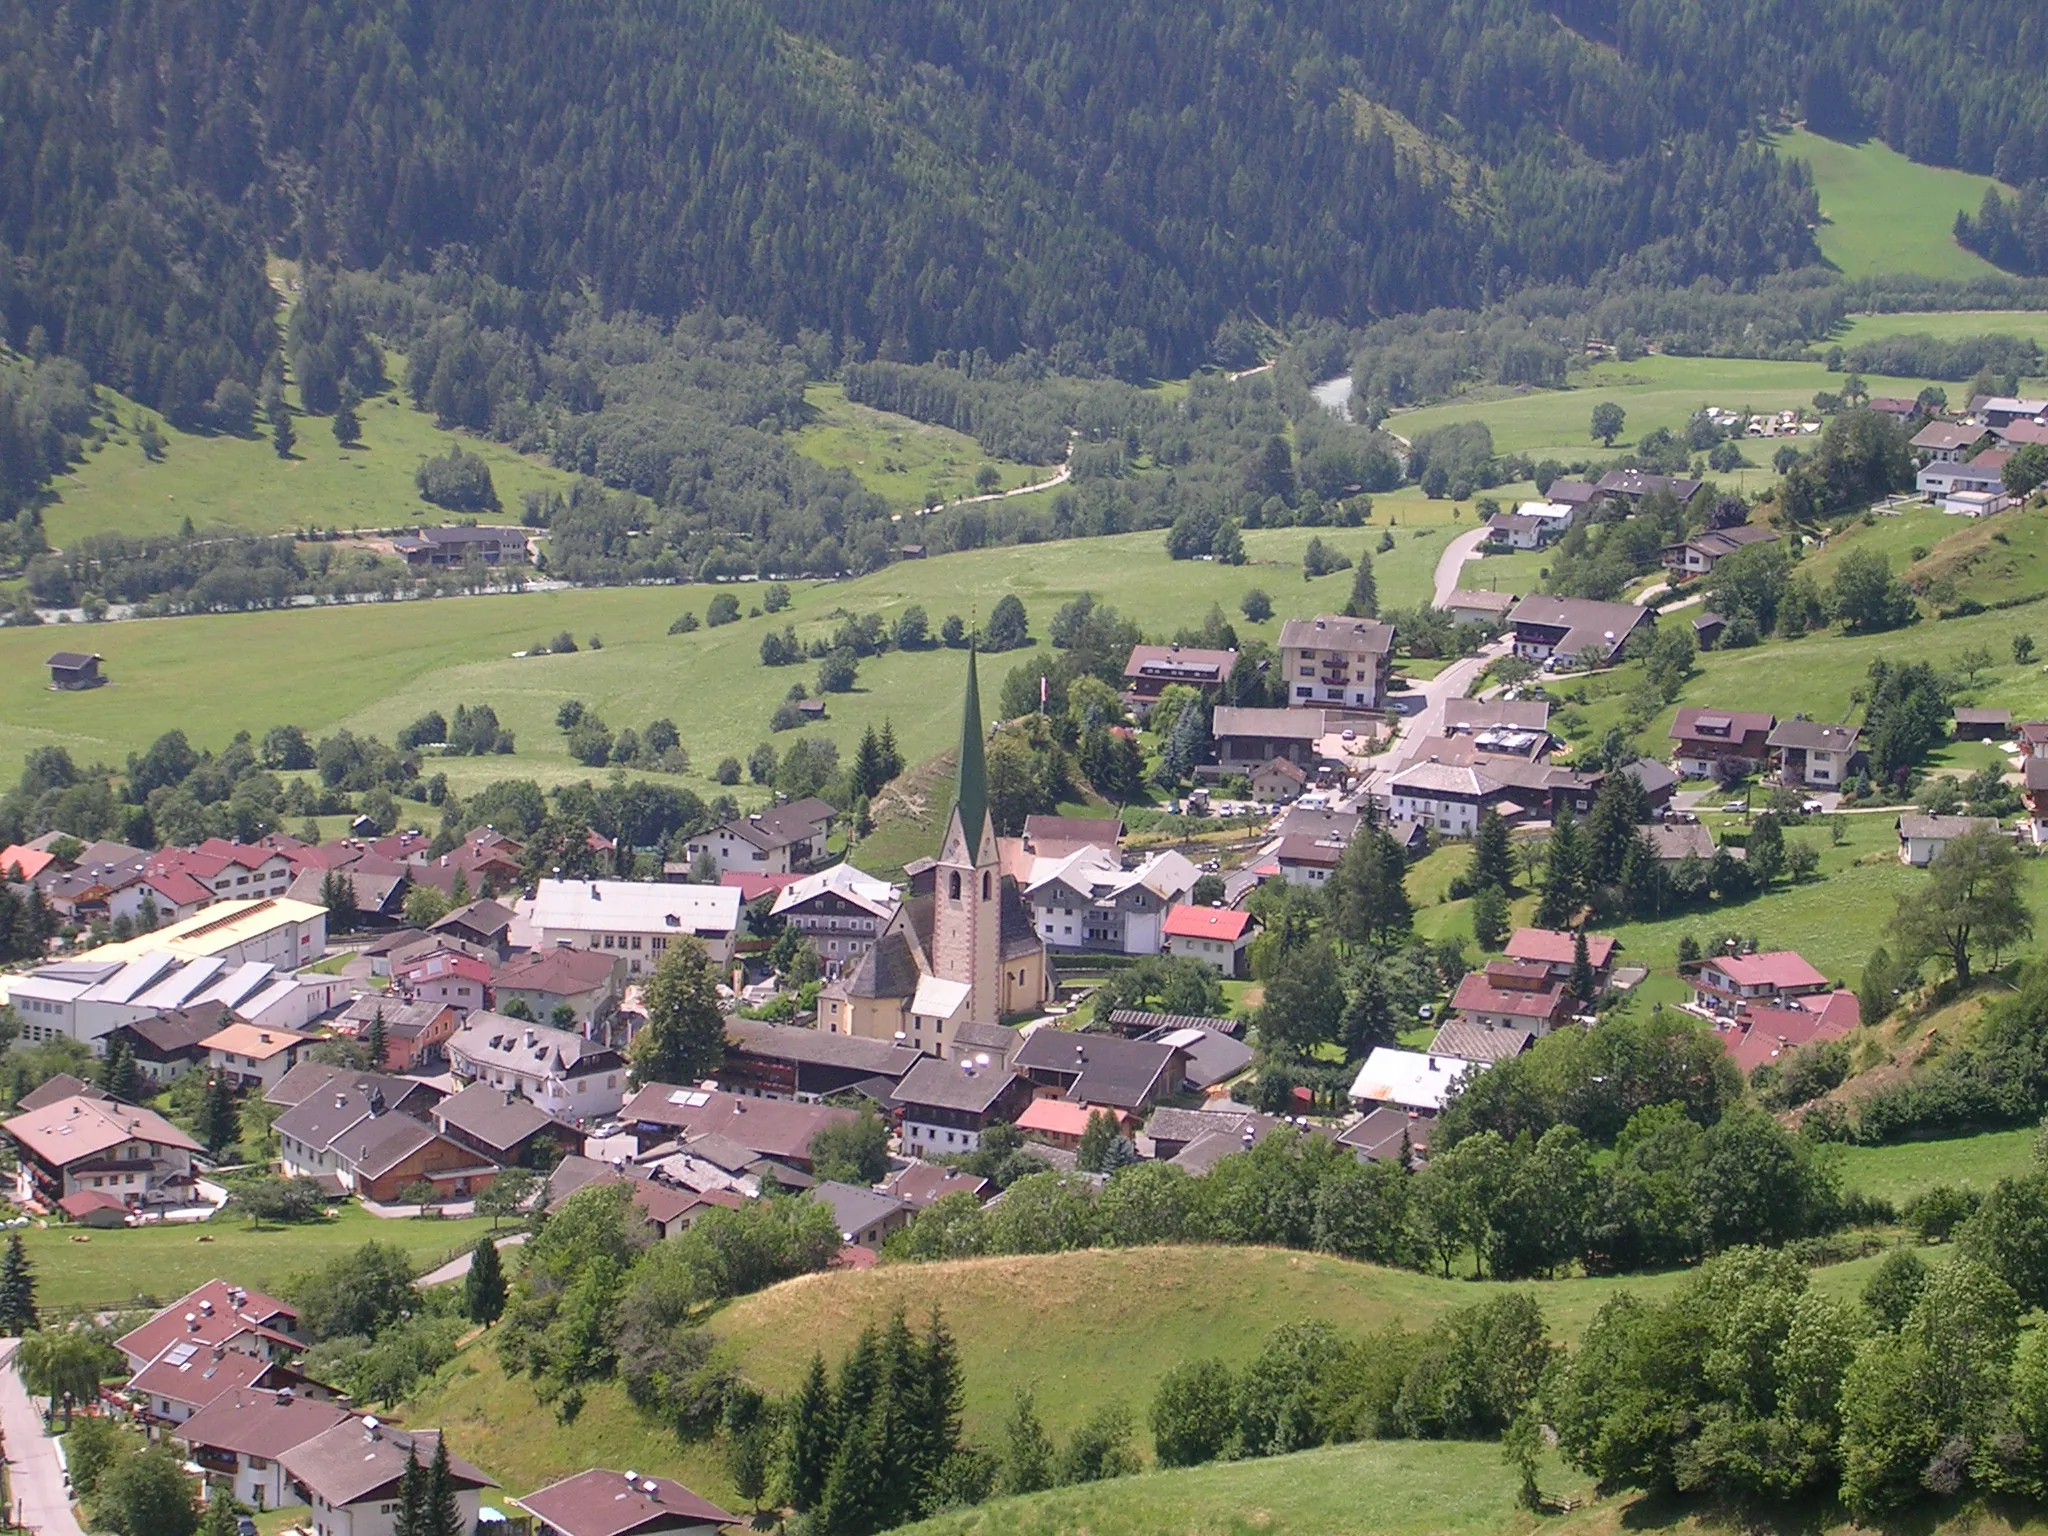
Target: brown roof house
784	839
81	1143
217	1313
1730	741
1152	669
588	982
239	1440
1815	755
1568	631
946	1105
350	1474
604	1503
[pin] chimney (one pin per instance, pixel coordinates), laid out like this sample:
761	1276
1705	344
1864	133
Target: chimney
651	1489
191	1323
1432	1064
284	1397
372	1430
206	1308
632	1477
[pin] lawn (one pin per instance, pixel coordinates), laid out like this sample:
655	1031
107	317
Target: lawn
146	1266
1881	212
1948	325
373	668
906	461
241	483
1897	1173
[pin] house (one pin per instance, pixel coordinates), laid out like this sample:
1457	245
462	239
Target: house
784	839
71	671
503	1128
840	910
382	1159
250	1057
1946	442
568	1076
1727	984
309	1131
1815	755
1699	554
20	863
1248	739
167	1045
923	1184
1633	485
1277	782
239	1440
187	1376
1476	717
2034	737
1893	407
1558	951
1387	1134
1469	1040
2003	410
865	1217
790	1061
781	1129
1982	724
217	1313
228	869
1338	662
349	1475
1216	936
1982	472
2034	791
1923	839
1764	1036
1172	1131
1213	1056
1411	1080
985	1045
1488	610
1576	494
434	548
90	1143
1570	630
636	921
1105	1070
1512	994
445	976
1730	742
1450	790
1676	841
1152	669
1659	783
603	1503
1307	861
1062	1123
1055	837
1088	901
1514	530
945	1106
486	924
588	982
415	1033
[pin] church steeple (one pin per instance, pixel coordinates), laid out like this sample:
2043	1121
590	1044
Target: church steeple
970	785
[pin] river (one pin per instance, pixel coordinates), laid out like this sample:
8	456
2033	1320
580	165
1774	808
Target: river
1334	395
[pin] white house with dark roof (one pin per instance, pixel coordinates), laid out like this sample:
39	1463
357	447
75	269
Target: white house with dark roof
1336	662
635	920
840	910
1568	629
568	1076
349	1475
781	840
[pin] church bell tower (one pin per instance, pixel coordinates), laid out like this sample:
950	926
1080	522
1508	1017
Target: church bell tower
967	894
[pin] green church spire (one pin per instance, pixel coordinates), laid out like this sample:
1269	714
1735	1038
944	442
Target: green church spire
970	788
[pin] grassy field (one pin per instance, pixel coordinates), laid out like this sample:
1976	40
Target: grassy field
123	1267
1881	212
1897	1173
375	667
1948	325
904	460
241	483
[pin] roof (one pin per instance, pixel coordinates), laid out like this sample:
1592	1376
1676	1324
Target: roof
1721	725
1496	714
62	1086
176	1030
74	1129
1192	922
1140	1021
1965	715
309	1079
1106	1069
377	1146
1946	436
354	1459
1716	542
1488	602
1552	947
780	1128
877	897
1335	632
1764	1035
1582	619
1307	850
950	1085
1634	482
1276	724
923	1184
479	917
1771	968
71	661
30	861
1942	828
1059	1117
1412	1079
1042	832
560	971
211	1314
819	1047
1477	993
223	926
1812	735
1676	840
317	1119
1212	1055
519	1046
1570	492
255	1422
257	1044
1651	774
854	1208
87	1202
193	1373
780	825
710	911
1379	1133
970	773
603	1503
1479	1042
1179	664
496	1117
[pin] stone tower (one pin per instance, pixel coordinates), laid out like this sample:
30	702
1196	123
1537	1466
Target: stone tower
967	892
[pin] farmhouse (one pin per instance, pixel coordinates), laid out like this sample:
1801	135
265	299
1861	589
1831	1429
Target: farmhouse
791	1061
432	548
1335	661
1571	629
1633	485
782	840
602	1503
1699	554
1087	901
1105	1070
1152	669
83	1143
1727	984
946	1105
840	910
1734	741
1814	755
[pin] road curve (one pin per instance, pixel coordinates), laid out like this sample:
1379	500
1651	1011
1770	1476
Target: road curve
1452	561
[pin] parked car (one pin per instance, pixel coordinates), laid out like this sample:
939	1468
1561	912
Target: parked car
1736	807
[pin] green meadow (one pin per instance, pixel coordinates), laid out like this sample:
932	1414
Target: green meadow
1881	212
908	462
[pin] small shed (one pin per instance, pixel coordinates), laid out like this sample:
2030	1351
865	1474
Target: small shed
71	671
1983	724
811	709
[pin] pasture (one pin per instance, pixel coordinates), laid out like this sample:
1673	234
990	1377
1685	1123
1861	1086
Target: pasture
1882	213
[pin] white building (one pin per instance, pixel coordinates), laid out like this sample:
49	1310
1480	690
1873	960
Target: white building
349	1476
1334	661
1416	1080
1088	900
568	1076
634	919
778	841
253	1057
840	910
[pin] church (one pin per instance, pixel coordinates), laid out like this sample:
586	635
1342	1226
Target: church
961	950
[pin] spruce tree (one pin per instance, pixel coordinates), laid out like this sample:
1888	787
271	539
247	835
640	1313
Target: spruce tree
118	1074
1493	855
807	1453
348	427
892	755
219	1517
440	1515
1027	1449
483	1288
1364	602
376	1039
282	436
1490	917
1368	1017
1564	874
859	1488
17	1290
411	1518
867	765
1583	983
219	1122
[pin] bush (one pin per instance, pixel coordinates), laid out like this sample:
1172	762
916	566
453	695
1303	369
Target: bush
457	480
722	609
1935	1213
683	625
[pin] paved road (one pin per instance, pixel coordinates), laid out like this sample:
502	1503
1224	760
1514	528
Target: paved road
1422	718
458	1266
1452	561
33	1471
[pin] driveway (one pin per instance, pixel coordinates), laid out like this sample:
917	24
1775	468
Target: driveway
1451	562
34	1474
1421	711
458	1266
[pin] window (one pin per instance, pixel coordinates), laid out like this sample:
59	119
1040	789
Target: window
636	941
953	886
985	884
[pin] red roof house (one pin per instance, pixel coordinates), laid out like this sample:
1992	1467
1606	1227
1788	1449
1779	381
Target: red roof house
1216	936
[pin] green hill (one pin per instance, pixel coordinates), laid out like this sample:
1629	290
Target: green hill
1882	213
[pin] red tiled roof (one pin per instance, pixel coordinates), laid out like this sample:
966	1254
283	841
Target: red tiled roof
1778	968
1553	947
82	1204
603	1503
1476	994
753	887
31	861
1192	922
1766	1034
215	1319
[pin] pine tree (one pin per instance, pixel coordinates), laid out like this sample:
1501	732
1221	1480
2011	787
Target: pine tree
867	765
282	436
440	1515
1490	917
1564	874
348	427
118	1074
376	1039
219	1122
1027	1450
892	755
1364	602
1583	983
813	1433
932	1412
219	1517
1095	1139
17	1290
411	1520
483	1288
1493	855
683	1039
858	1489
